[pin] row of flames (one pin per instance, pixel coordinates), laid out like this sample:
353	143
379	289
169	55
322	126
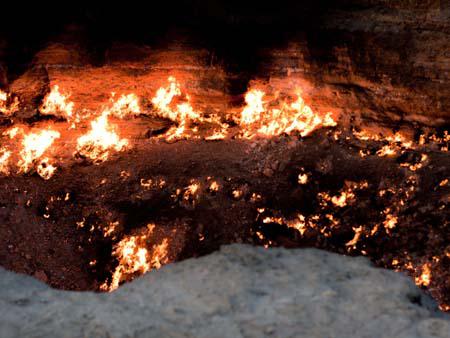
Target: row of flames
257	118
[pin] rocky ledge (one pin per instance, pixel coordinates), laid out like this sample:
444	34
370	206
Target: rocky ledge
240	291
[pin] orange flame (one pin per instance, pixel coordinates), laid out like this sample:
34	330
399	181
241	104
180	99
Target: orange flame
57	104
258	119
100	140
135	259
34	146
6	107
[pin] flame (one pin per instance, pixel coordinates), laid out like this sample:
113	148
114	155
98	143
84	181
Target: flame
100	140
34	146
4	161
126	105
302	178
214	186
135	258
425	277
257	118
45	169
390	221
342	199
183	114
355	239
6	106
254	108
191	191
56	103
132	259
164	97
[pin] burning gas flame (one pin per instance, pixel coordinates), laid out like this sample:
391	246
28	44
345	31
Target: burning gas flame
4	161
425	277
100	140
257	118
7	107
183	114
34	146
56	103
136	258
125	106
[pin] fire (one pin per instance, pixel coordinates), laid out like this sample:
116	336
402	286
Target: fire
132	256
341	200
191	191
425	277
214	186
159	256
6	106
258	119
56	103
390	221
164	97
45	169
136	258
34	146
126	105
302	178
4	161
100	140
183	114
355	239
252	112
299	224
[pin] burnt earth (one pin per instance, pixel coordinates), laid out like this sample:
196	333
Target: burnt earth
55	230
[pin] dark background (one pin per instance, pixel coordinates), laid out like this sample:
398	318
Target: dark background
233	30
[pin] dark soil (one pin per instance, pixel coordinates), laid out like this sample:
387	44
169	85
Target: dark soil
39	234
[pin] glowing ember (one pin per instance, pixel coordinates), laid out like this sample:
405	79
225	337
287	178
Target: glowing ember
299	224
390	222
341	201
425	277
214	186
302	178
354	241
45	169
191	191
100	140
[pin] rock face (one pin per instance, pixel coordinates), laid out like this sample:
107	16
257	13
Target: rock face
381	61
241	291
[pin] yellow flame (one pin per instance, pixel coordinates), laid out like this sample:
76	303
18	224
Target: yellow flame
6	107
425	277
135	258
183	114
302	178
45	169
56	103
4	161
34	146
257	118
100	140
126	105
